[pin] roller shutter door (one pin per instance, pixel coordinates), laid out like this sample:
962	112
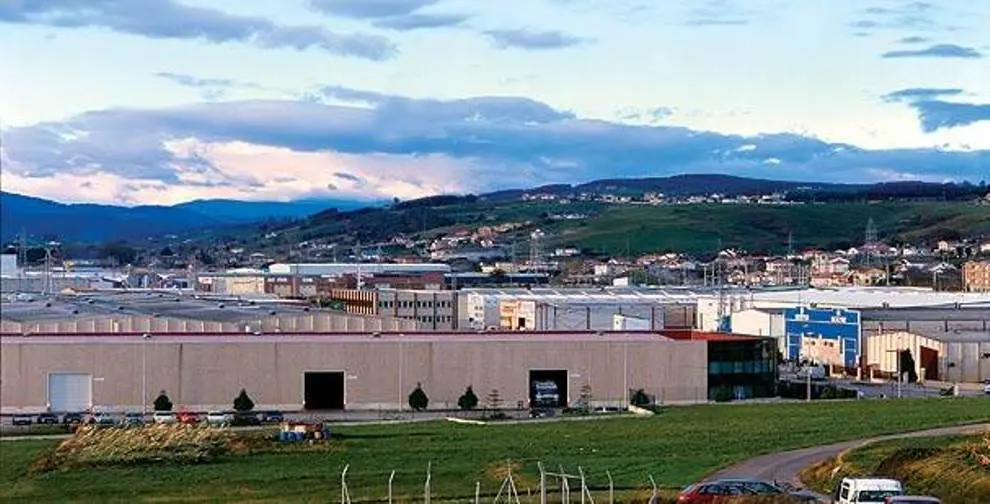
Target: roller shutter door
70	392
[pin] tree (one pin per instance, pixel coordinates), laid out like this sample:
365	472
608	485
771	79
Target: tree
242	402
418	399
468	401
162	402
908	366
639	398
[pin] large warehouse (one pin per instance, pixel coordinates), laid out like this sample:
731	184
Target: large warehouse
373	370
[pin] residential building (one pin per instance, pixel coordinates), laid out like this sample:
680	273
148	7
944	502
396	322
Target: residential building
976	276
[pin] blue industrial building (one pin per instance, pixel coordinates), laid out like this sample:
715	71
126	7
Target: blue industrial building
831	324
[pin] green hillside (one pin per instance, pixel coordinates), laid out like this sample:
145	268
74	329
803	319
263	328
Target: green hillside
700	228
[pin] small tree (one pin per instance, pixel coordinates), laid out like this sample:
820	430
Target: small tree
584	400
494	400
418	399
639	398
243	403
722	394
162	402
468	401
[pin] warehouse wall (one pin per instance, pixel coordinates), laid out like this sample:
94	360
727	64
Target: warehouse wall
207	375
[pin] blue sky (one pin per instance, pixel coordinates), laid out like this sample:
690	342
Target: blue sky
162	101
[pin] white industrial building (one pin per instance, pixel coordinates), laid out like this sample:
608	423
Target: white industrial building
545	309
949	357
339	269
713	309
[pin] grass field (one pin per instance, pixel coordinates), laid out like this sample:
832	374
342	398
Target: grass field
940	466
678	446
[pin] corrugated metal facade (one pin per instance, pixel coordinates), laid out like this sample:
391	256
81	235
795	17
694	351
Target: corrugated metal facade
207	372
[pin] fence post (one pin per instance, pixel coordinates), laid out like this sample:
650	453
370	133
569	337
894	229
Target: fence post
390	478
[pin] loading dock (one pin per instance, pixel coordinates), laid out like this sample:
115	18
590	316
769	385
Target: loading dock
548	388
324	390
70	392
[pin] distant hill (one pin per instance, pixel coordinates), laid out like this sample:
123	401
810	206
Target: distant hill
44	219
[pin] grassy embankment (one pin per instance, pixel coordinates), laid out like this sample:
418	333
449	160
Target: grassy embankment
678	446
954	468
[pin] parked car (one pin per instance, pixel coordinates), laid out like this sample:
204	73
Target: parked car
272	417
912	499
866	490
732	488
219	418
102	419
133	419
72	418
163	417
986	387
47	419
187	417
22	420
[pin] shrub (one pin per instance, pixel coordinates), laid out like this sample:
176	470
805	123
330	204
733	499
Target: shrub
418	400
243	403
827	393
722	394
468	401
162	402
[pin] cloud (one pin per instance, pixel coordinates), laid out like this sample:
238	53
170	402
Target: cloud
936	51
405	147
937	114
533	40
913	40
912	94
906	16
401	15
169	19
719	13
210	88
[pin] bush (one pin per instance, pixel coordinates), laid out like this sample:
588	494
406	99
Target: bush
162	402
418	400
827	393
468	401
722	394
242	402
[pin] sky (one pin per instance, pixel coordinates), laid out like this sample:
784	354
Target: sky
163	101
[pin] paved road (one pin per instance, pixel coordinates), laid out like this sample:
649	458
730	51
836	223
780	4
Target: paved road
785	467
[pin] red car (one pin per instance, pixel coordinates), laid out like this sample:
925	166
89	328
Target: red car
186	417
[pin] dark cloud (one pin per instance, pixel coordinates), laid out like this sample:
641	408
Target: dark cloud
500	142
421	21
533	40
369	9
170	19
912	94
402	15
936	51
937	114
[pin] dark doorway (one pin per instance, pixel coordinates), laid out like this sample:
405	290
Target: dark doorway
548	388
323	390
929	361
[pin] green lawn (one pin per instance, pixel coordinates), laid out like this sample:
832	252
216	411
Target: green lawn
677	446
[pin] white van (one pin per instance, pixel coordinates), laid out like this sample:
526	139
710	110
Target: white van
866	490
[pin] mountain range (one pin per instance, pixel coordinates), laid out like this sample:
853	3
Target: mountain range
42	219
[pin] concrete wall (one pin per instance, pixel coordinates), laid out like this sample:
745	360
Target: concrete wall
200	374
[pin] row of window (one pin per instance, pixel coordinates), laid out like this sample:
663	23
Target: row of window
739	367
411	304
429	319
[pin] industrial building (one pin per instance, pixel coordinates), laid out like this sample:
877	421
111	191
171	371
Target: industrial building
373	370
546	309
433	309
960	356
176	312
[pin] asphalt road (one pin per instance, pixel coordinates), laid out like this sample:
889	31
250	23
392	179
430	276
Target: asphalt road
784	467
